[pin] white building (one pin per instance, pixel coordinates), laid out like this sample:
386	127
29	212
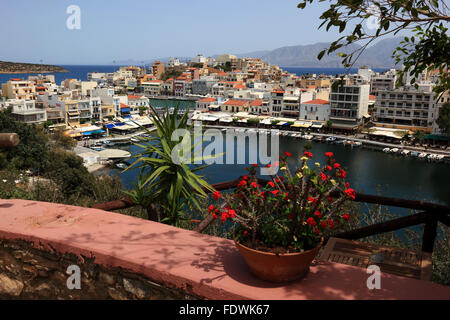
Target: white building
349	105
315	110
26	111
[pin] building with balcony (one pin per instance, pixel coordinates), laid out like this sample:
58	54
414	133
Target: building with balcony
349	105
19	89
406	108
157	69
27	111
203	104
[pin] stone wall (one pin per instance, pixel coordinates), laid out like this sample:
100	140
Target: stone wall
27	272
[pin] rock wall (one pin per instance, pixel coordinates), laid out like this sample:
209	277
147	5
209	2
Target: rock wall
27	272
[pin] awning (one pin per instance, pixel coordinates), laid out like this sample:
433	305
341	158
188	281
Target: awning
130	88
226	120
317	125
109	126
437	137
281	123
125	110
344	126
88	133
301	125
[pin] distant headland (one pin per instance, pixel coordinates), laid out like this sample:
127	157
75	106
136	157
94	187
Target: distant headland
17	67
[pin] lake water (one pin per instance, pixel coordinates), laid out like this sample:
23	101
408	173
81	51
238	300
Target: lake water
369	171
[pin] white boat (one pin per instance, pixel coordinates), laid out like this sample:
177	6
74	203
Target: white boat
431	157
405	152
394	150
134	140
440	157
387	150
357	144
414	154
308	137
422	155
330	139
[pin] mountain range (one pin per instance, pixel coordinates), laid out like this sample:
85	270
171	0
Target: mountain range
375	56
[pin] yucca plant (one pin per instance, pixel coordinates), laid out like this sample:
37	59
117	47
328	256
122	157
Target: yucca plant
167	189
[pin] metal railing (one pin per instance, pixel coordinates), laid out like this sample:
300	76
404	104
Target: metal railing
430	214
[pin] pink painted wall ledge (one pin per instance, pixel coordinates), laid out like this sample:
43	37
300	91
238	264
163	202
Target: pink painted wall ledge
206	266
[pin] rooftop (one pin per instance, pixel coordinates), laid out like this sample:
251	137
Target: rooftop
316	101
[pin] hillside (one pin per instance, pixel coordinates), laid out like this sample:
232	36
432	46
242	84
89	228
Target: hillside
377	56
17	67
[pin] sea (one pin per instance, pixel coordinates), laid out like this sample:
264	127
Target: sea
80	72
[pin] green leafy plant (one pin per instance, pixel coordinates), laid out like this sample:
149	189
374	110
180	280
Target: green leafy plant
427	48
168	188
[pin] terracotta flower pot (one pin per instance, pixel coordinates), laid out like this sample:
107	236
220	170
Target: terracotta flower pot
281	267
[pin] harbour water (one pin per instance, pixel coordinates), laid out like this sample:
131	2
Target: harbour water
369	171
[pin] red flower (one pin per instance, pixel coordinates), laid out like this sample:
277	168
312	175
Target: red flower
254	184
351	193
268	165
288	154
245	233
311	221
216	195
329	168
322	176
275	192
331	223
270	183
308	154
210	208
254	165
313	200
316	230
342	173
214	215
346	217
347	185
231	213
281	178
336	165
323	224
318	214
242	183
285	195
245	177
329	154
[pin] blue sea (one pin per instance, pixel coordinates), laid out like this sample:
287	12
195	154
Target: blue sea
80	72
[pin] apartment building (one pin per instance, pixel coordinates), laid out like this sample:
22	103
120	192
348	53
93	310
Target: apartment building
157	69
349	105
276	102
406	108
152	87
27	111
315	110
19	89
386	81
136	101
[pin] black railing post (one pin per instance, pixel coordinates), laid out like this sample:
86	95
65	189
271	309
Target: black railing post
429	233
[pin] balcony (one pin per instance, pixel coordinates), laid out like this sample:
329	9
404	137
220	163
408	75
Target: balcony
124	257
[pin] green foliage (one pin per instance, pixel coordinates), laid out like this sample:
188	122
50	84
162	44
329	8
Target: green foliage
171	73
32	150
170	185
253	120
274	122
444	118
428	47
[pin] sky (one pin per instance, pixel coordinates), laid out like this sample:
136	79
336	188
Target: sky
113	30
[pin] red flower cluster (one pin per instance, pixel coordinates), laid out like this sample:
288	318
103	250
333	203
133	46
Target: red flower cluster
308	154
351	193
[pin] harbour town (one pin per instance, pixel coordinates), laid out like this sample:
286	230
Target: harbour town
156	156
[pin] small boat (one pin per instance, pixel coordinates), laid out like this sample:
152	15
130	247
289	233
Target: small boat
414	154
422	155
339	141
394	150
330	139
357	144
404	152
97	148
121	165
387	150
440	157
308	137
134	140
